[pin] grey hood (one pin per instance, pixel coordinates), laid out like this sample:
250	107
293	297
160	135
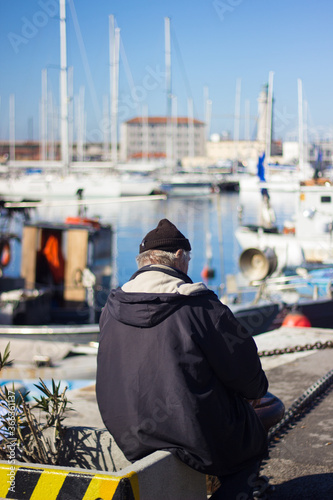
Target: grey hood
152	294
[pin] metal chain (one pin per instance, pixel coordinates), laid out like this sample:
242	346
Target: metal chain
315	390
298	348
323	384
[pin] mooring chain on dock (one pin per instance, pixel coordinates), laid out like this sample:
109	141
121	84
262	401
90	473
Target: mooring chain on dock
308	396
298	348
264	488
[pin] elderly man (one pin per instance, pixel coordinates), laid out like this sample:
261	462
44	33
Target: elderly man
176	371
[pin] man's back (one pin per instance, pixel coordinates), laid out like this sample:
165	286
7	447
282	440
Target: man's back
174	369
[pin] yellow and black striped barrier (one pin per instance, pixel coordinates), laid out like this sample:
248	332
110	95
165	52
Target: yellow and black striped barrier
57	483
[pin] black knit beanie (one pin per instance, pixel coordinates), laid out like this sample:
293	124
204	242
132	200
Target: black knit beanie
164	237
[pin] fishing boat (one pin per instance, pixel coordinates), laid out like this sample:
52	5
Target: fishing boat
306	240
304	299
65	274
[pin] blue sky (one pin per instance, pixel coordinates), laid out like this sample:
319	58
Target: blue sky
213	43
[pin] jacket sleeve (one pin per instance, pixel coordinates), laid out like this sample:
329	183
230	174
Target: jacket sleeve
232	354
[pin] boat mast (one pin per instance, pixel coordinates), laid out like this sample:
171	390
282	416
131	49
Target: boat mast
300	126
237	122
247	120
70	113
305	133
190	123
63	89
208	112
174	113
43	116
12	127
114	44
81	127
168	89
105	127
51	125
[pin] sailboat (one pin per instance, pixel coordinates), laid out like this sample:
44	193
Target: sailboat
80	180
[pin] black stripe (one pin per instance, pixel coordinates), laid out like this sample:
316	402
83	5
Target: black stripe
25	483
124	490
74	486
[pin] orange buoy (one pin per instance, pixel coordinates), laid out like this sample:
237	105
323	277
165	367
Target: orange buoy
207	273
296	319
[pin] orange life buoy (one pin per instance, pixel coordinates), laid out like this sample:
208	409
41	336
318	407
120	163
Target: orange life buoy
5	255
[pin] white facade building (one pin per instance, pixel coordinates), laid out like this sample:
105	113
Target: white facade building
159	137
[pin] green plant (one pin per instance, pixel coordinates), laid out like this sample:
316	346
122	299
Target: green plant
4	361
39	441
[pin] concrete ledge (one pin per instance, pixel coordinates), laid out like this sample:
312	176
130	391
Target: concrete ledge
163	476
159	476
44	482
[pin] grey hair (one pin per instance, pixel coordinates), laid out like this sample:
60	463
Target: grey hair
160	257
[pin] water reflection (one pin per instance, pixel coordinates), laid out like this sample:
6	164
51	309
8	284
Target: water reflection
209	223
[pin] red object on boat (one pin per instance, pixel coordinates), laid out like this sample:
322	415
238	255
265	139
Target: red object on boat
54	257
296	320
5	255
82	221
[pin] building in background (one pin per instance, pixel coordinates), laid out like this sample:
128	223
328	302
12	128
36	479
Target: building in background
248	151
157	137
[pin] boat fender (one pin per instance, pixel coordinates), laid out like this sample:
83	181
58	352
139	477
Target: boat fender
5	255
296	319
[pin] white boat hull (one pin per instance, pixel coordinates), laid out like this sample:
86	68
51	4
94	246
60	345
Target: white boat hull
91	186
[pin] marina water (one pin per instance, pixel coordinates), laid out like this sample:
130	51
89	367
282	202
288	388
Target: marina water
209	222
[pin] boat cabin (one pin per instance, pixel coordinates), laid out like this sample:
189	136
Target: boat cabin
65	271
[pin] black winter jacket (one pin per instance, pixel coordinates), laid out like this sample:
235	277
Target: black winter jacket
174	372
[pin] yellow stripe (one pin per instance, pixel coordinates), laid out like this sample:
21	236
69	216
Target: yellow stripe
49	484
4	477
134	480
104	487
51	480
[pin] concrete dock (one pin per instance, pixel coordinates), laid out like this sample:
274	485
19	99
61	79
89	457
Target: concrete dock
300	461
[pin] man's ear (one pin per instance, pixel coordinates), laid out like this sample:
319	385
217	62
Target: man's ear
179	253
